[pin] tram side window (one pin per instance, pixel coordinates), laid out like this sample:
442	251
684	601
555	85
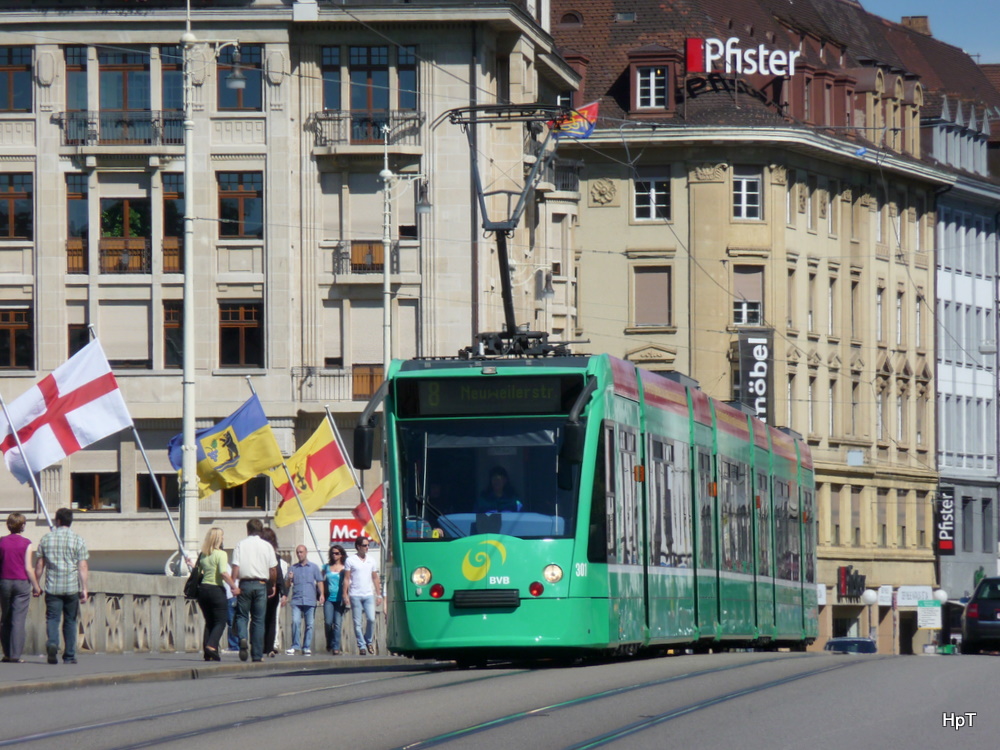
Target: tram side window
706	556
810	536
785	530
735	520
597	543
794	540
763	496
660	504
629	515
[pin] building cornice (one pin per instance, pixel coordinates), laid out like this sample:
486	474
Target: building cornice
795	139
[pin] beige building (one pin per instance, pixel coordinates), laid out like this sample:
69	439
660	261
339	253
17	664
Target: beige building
795	210
289	220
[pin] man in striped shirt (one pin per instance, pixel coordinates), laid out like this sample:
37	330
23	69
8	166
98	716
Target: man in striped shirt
62	556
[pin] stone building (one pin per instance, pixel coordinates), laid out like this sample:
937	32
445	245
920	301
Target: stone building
289	211
786	198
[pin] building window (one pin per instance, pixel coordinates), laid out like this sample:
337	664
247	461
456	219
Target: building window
747	193
880	315
125	235
15	79
855	406
16	217
899	318
248	61
651	87
968	522
241	204
811	304
831	411
331	78
249	496
78	223
831	307
241	334
652	296
811	406
989	541
652	200
748	295
79	337
146	494
93	491
406	74
172	93
369	76
173	333
173	222
17	345
124	93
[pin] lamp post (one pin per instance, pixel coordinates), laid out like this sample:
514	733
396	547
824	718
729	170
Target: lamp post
940	595
870	597
189	451
423	207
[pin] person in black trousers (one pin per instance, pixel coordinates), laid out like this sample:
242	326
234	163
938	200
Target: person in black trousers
280	597
214	566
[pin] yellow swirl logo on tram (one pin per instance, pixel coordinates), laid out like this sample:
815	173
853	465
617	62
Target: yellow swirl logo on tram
476	566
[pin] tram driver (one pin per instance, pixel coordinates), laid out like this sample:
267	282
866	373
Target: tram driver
499	496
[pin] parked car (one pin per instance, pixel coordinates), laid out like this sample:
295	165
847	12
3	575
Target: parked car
851	646
981	618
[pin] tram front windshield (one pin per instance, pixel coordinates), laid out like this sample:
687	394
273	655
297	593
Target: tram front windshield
484	476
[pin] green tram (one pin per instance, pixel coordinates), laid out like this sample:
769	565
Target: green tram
567	505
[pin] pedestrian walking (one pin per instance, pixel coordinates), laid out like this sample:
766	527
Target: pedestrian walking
333	604
17	585
277	599
363	592
215	576
306	589
255	567
62	558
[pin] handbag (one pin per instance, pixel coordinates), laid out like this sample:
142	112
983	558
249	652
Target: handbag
193	581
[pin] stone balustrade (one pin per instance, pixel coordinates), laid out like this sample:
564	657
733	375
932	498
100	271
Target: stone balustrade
130	613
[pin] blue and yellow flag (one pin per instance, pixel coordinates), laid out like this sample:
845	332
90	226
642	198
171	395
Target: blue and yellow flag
233	451
579	124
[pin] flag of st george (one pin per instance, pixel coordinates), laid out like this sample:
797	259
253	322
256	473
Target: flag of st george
373	520
78	404
319	471
233	451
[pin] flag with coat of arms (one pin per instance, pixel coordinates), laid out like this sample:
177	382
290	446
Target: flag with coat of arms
232	451
319	472
369	513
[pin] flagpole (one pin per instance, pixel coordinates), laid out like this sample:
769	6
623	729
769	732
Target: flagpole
354	475
24	457
302	509
159	492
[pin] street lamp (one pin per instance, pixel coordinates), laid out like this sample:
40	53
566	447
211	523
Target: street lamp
423	207
189	451
868	598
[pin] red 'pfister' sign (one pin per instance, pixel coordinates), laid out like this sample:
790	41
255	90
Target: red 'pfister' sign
346	530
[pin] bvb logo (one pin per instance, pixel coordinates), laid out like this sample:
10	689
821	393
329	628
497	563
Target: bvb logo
476	571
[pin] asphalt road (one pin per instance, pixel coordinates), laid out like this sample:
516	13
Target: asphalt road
742	700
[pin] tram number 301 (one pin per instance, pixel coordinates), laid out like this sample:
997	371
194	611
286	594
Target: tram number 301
581	570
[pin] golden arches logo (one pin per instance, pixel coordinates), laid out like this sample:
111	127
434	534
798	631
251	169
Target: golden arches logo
475	567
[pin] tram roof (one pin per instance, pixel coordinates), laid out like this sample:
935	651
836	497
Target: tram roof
450	363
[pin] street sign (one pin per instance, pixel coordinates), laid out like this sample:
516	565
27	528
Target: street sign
929	614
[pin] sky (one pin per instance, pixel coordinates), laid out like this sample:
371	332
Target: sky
969	24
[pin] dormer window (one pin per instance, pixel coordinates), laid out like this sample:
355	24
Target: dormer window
651	85
653	71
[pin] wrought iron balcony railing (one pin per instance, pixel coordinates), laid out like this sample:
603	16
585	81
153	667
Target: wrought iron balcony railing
119	128
341	127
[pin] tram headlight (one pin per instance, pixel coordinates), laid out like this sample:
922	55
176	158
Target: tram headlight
421	576
552	573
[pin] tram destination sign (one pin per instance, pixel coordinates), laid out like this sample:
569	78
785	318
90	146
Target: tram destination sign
490	395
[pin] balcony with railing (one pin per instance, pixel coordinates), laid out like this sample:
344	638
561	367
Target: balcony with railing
120	128
354	383
338	130
173	255
363	257
125	255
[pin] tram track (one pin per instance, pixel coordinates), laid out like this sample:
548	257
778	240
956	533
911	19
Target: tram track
229	704
262	710
633	727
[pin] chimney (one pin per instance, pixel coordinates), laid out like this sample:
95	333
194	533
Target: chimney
919	24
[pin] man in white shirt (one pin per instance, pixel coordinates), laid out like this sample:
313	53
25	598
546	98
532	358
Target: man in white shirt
362	590
255	566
